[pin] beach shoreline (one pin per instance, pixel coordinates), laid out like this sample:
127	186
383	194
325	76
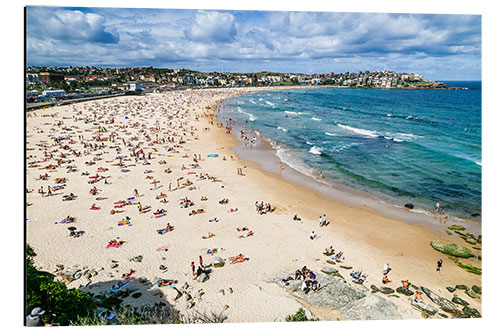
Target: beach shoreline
368	238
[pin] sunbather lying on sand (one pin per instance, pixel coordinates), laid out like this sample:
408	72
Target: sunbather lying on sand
211	251
210	235
232	210
113	211
69	197
215	219
242	229
94	207
203	199
168	228
237	259
115	243
166	283
198	211
224	201
248	234
385	279
125	276
329	251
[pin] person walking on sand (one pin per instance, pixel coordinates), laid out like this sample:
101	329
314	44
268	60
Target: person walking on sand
136	193
201	261
193	268
439	266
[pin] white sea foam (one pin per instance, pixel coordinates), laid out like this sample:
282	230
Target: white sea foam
252	101
251	116
397	137
315	150
283	129
291	112
368	133
479	163
390	115
292	161
330	134
269	103
315	119
309	143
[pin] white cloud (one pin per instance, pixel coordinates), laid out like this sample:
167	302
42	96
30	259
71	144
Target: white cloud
212	26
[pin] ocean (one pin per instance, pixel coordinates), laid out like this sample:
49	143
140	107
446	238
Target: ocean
416	146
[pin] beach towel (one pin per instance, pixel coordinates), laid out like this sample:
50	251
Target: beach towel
124	170
31	220
114	289
114	245
66	221
169	283
162	248
213	155
122	223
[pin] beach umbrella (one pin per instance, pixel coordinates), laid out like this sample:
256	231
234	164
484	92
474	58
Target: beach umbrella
71	228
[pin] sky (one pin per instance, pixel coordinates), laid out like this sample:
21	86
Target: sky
439	47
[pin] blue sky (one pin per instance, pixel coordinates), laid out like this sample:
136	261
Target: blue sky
441	47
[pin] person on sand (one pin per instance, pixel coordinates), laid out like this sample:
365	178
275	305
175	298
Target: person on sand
406	284
201	261
136	193
387	269
193	268
439	266
418	297
313	235
385	279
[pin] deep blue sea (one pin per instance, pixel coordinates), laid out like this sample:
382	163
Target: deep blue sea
418	146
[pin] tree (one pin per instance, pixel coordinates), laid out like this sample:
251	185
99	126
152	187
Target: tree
61	304
299	316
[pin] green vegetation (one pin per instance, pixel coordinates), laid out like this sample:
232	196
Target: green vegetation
452	249
60	303
456	227
469	268
300	315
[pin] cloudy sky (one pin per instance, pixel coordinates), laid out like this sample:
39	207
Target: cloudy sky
441	47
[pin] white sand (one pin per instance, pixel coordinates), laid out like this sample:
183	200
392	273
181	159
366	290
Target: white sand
367	238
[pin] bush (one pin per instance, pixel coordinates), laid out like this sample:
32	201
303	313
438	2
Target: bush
299	316
60	303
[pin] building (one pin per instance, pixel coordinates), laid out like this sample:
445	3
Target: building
47	77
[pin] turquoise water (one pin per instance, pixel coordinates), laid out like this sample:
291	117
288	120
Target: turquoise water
418	146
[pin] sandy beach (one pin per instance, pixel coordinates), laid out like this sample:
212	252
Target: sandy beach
129	143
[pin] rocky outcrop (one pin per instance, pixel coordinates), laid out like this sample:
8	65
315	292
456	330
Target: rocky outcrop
460	301
329	270
471	293
336	294
445	304
404	291
471	312
477	289
452	249
202	277
218	262
425	308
